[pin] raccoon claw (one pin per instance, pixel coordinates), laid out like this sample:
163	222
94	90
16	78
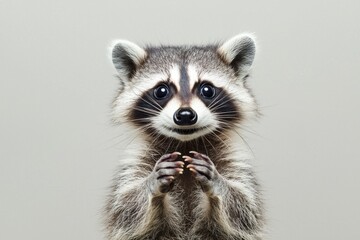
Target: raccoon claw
165	172
203	169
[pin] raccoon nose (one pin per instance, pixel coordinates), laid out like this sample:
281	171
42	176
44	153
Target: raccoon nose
185	116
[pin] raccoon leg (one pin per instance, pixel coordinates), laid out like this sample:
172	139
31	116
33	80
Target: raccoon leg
140	207
226	209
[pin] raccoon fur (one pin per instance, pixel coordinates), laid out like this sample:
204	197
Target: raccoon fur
187	175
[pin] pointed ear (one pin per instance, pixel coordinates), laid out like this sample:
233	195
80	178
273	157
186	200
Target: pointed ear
239	53
127	57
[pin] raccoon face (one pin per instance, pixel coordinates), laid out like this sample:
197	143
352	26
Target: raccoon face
184	92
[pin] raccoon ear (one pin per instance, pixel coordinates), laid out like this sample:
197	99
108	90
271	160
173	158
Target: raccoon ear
239	53
127	57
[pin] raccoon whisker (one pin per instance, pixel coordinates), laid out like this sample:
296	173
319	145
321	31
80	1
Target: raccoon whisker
168	147
206	150
156	135
249	130
210	141
151	99
150	151
132	140
146	110
196	144
227	125
223	118
217	99
130	131
220	93
217	136
243	139
267	106
222	103
142	121
141	131
225	113
157	106
178	144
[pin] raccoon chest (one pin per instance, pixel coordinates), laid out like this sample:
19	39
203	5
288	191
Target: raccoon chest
186	192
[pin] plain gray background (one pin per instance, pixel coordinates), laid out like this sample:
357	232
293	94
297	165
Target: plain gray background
58	149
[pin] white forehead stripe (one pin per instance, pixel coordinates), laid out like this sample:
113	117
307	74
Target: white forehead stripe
175	75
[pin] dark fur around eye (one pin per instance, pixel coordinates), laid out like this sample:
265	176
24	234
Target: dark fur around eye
151	103
220	103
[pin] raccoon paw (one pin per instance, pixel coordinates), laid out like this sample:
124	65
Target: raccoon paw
203	169
165	172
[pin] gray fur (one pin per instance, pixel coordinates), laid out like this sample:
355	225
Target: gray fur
223	203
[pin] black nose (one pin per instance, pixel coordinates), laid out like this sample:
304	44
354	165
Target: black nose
185	116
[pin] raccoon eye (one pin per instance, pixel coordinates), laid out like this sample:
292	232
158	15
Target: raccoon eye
207	91
161	92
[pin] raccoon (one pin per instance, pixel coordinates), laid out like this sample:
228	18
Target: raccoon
188	175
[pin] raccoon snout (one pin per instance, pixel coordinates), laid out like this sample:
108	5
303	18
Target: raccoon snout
185	116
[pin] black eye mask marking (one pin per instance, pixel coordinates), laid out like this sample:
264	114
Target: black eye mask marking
219	102
148	105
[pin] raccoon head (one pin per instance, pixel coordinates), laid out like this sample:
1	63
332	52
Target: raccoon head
184	92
